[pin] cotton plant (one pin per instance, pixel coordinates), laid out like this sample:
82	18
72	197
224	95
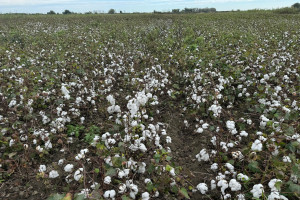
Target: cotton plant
86	86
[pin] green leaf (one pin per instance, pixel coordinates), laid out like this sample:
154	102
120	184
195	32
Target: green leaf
290	131
295	188
56	197
151	169
168	158
278	185
79	197
231	162
124	197
97	170
168	168
291	147
117	161
150	187
121	146
176	86
174	189
296	170
184	192
111	172
253	166
157	157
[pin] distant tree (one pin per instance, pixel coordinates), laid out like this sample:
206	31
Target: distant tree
121	12
175	11
111	11
156	12
66	12
198	10
296	5
51	12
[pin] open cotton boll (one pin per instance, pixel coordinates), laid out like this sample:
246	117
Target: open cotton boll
168	139
172	172
213	184
84	192
199	130
142	167
114	109
203	155
53	174
48	145
214	140
65	92
142	147
217	110
60	162
242	177
257	190
264	119
123	173
230	124
227	196
42	168
214	167
224	185
202	187
234	185
111	99
276	196
244	134
145	196
12	103
230	167
94	185
272	184
220	176
109	194
107	180
133	190
78	174
122	188
256	146
69	168
205	126
286	159
240	197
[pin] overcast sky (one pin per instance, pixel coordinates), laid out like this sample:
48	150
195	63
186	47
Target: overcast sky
43	6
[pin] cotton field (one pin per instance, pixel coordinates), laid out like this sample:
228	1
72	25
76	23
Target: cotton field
150	106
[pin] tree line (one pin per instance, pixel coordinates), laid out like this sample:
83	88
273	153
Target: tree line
295	8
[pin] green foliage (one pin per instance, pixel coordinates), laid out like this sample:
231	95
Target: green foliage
51	12
184	193
254	167
296	5
75	130
91	133
111	11
56	197
66	12
287	10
